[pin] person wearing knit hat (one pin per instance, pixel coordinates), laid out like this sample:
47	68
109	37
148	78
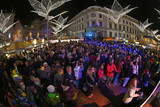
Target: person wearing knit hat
51	88
147	71
52	98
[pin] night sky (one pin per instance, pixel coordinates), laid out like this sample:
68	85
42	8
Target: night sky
145	9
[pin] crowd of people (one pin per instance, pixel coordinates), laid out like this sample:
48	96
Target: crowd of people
53	75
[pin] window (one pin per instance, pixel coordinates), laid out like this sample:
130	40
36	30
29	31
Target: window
115	34
127	36
123	21
93	23
93	15
123	35
110	25
88	24
82	26
100	16
100	24
126	22
82	18
115	26
127	29
110	34
123	28
87	16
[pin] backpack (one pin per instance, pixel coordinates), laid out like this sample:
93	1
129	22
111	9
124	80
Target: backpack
53	98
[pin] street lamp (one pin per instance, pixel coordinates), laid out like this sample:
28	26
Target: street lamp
124	33
70	32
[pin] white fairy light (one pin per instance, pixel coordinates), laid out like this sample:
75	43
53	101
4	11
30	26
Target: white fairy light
117	12
142	26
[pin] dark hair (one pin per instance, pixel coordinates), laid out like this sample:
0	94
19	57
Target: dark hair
134	62
66	83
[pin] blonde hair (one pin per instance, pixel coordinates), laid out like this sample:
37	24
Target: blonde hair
68	68
131	83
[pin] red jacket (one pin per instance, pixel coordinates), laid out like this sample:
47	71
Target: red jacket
119	67
100	73
110	69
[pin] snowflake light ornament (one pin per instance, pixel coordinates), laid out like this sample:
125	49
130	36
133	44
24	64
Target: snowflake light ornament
4	21
44	7
59	24
116	12
142	26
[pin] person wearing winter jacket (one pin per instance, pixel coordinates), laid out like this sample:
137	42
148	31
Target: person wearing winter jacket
100	73
111	68
128	74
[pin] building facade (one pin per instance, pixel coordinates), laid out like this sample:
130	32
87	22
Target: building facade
90	22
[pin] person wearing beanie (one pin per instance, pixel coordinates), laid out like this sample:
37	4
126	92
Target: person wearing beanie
52	98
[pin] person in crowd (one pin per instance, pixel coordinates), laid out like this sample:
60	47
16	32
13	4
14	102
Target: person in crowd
100	73
78	73
25	95
128	73
145	79
70	94
119	66
135	69
47	68
58	79
53	97
111	69
11	99
69	76
90	81
131	92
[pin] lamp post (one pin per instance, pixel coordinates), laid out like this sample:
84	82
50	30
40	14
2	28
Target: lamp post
70	34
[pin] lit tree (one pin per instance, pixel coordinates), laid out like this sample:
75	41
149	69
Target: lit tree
3	24
116	13
44	7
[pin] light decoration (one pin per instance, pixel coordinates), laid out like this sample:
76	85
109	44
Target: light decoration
38	35
44	7
43	40
158	12
157	36
142	26
34	41
3	24
59	25
116	13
